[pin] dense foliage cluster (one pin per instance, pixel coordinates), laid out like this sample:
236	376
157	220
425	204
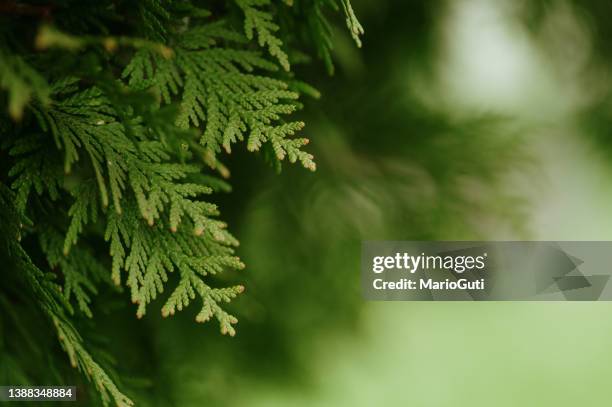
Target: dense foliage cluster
115	116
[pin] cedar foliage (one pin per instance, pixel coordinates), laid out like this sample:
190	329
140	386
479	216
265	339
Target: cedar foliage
115	116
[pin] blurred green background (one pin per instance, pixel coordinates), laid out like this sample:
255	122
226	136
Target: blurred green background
460	119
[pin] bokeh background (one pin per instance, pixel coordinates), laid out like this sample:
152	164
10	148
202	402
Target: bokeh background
458	119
